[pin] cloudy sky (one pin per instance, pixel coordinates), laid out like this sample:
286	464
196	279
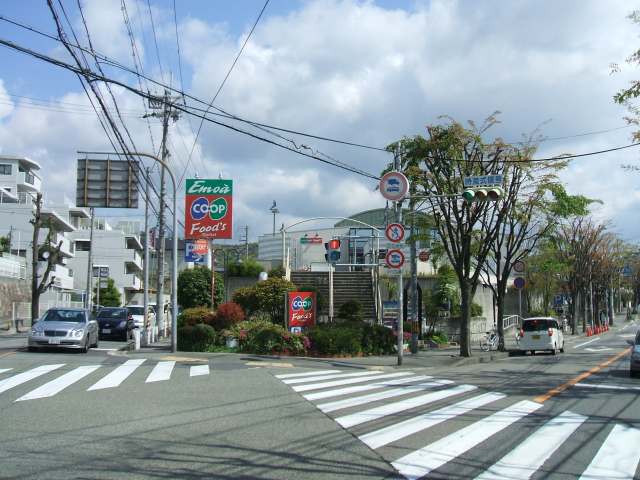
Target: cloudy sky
367	72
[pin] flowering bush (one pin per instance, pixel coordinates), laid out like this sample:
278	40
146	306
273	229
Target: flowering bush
228	314
264	337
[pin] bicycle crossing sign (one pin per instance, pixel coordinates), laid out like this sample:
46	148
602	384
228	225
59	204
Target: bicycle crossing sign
394	232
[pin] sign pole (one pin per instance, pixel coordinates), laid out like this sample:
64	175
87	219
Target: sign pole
400	330
330	293
213	275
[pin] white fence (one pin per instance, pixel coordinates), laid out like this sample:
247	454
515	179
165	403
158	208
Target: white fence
21	311
12	266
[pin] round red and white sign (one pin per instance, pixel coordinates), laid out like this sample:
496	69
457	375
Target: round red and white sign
394	232
394	258
394	186
519	266
423	256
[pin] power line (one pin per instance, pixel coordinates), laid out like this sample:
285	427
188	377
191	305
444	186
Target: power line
155	39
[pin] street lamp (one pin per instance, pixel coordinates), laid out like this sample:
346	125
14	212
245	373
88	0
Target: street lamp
274	210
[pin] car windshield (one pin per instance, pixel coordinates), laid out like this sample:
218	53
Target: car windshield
537	325
76	316
136	310
112	313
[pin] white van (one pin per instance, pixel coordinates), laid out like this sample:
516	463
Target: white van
541	333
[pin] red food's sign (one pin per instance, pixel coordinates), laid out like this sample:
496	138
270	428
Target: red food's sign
208	209
302	309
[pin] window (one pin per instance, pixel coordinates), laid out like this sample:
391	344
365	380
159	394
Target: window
5	169
535	325
83	245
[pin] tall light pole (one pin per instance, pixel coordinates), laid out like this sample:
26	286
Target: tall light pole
274	210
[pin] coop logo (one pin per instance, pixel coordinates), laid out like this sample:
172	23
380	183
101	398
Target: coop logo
300	304
200	207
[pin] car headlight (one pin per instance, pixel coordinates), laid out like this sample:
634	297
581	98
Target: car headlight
36	331
77	333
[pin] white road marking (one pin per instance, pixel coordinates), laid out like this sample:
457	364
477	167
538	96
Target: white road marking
2	370
607	387
586	343
320	378
419	463
389	409
307	374
523	461
198	370
395	432
162	371
117	376
104	349
21	378
374	397
599	349
627	335
618	456
348	381
53	387
363	388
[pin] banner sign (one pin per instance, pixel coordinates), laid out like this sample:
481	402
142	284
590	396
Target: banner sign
311	240
196	250
208	209
482	180
302	309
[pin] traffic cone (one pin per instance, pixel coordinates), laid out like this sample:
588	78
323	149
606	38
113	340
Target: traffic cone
588	331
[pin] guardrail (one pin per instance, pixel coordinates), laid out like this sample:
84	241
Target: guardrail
511	321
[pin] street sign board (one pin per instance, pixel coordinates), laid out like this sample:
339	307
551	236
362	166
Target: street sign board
394	186
107	183
195	250
394	258
482	181
423	256
208	209
302	309
519	266
394	232
519	283
311	240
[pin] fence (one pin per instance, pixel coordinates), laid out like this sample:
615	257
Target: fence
21	311
12	266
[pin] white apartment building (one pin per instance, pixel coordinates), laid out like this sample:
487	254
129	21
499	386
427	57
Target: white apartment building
20	181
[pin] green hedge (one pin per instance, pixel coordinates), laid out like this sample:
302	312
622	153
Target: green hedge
196	338
345	339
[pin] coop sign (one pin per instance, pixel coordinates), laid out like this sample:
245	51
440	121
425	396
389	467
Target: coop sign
208	209
302	309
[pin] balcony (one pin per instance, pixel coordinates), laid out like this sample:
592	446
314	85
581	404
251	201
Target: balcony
63	277
28	181
67	248
133	260
132	282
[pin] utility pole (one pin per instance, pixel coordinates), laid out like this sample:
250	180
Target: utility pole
146	258
414	270
246	242
400	330
87	299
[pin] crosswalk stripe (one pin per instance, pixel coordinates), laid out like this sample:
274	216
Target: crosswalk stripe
117	376
363	388
198	370
162	371
374	397
320	378
391	408
2	370
53	387
392	433
618	457
419	463
348	381
307	374
523	461
21	378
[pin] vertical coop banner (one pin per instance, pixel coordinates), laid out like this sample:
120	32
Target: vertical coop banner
208	209
302	309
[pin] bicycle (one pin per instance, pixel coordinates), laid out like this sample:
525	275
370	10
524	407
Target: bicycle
490	341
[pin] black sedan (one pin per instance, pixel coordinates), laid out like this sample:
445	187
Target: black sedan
112	322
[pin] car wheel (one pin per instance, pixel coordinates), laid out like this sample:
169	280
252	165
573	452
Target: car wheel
533	352
554	350
32	349
562	349
85	348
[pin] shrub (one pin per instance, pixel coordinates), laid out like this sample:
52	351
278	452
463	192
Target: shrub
476	310
227	315
196	338
377	340
246	268
246	298
192	316
351	311
438	337
336	339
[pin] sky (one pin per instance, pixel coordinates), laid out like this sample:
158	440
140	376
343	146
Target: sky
367	72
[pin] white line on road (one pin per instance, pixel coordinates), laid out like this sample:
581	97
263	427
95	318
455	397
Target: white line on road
104	349
607	387
392	408
598	349
2	370
21	378
530	455
307	374
329	377
392	433
586	343
374	397
117	376
627	335
162	371
364	388
53	387
618	457
348	381
198	370
419	463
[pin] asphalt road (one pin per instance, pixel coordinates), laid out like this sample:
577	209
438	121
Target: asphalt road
107	415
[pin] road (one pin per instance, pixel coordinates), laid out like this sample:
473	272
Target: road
108	415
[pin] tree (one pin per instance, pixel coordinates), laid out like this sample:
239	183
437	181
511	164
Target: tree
626	96
269	296
48	251
246	268
194	288
109	295
4	244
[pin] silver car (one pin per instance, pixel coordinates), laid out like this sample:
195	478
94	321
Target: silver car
66	328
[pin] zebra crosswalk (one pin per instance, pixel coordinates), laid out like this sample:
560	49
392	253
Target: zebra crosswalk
424	426
109	377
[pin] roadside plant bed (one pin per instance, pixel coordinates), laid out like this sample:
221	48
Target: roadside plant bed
351	339
196	338
263	337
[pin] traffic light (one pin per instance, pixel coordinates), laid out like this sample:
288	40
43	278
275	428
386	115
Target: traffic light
333	251
490	194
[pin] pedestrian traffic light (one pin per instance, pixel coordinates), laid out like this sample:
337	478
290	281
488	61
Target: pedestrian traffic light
490	194
332	248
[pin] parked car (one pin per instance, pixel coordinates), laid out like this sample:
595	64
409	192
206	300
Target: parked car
541	333
112	322
634	361
64	327
137	313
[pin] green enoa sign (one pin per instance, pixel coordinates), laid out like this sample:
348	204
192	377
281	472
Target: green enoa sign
208	208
